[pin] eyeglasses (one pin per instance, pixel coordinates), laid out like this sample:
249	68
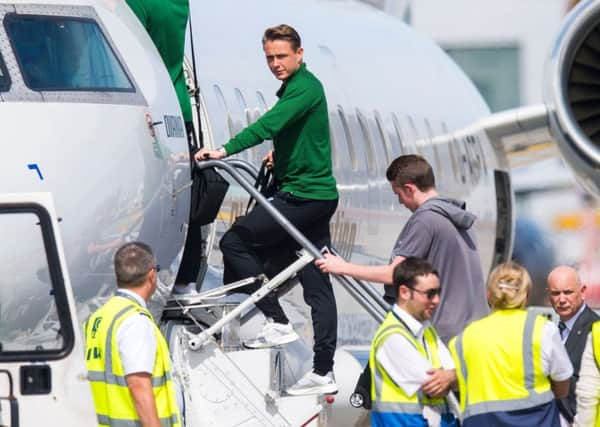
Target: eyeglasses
156	267
429	293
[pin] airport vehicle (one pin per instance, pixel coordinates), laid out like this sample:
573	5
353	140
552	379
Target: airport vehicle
89	116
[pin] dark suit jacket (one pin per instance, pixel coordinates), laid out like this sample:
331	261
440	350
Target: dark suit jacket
575	345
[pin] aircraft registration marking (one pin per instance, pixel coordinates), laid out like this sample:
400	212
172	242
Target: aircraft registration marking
35	167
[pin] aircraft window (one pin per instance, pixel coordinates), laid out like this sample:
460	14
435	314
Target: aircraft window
348	136
242	102
65	54
371	166
333	136
261	101
387	150
415	132
436	153
34	314
398	130
453	161
4	78
481	153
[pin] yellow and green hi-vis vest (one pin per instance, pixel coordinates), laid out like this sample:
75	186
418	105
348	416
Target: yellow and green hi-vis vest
499	363
596	347
112	398
386	396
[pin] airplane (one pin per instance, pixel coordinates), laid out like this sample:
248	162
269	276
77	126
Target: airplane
96	139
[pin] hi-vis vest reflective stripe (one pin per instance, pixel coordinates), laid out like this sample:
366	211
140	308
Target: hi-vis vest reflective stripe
596	347
386	396
112	399
488	380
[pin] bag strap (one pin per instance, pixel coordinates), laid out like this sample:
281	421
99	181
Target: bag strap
263	180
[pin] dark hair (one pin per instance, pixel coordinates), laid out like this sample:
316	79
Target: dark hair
407	271
411	169
132	263
283	32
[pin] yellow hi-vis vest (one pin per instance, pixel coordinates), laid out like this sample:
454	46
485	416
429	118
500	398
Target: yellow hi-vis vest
386	396
499	363
112	398
596	346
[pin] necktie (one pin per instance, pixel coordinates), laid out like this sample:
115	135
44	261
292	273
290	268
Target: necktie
561	328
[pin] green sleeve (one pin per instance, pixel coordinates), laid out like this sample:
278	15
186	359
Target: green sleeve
295	103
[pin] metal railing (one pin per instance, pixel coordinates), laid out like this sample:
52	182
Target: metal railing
363	292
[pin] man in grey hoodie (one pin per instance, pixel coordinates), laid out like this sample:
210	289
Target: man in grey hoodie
440	231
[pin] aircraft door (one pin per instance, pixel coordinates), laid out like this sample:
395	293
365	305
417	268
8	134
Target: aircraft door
42	371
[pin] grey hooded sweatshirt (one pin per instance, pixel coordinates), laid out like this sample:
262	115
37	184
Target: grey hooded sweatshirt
441	231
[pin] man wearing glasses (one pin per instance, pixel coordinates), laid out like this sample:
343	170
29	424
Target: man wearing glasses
411	389
126	355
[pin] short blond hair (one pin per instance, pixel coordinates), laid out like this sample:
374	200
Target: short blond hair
508	286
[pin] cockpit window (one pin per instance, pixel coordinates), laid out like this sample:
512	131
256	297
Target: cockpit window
65	54
4	79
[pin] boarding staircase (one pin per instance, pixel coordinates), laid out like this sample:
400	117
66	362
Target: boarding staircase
224	383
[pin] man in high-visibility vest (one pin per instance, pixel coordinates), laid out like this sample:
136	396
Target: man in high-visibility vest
411	368
126	355
588	386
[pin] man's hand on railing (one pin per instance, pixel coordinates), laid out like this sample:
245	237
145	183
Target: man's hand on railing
206	153
331	264
269	160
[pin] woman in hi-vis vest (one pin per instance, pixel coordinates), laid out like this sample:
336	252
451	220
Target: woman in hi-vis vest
510	364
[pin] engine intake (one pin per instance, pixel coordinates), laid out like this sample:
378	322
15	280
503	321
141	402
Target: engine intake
574	93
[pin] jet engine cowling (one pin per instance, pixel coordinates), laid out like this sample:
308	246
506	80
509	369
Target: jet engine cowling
573	93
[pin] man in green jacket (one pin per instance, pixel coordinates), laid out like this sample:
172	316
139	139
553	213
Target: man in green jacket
307	196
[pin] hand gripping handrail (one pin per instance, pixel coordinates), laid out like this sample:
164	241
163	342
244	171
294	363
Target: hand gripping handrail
379	305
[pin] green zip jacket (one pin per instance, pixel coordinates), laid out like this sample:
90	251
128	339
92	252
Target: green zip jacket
166	21
298	124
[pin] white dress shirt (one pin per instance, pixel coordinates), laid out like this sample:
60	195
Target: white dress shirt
588	388
136	340
570	323
405	365
555	360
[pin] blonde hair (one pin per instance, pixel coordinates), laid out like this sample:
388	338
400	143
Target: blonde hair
508	286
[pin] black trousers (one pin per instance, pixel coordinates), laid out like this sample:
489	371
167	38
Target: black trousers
255	238
193	251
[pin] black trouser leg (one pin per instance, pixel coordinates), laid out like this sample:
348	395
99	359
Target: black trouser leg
192	255
192	252
318	294
240	261
258	232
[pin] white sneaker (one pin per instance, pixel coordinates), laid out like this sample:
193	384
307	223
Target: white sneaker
189	289
312	383
273	334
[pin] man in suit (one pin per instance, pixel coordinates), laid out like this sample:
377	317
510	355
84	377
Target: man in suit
566	294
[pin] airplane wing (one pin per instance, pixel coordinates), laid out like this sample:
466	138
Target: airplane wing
524	134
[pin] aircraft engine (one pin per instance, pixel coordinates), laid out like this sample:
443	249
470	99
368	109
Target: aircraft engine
573	93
